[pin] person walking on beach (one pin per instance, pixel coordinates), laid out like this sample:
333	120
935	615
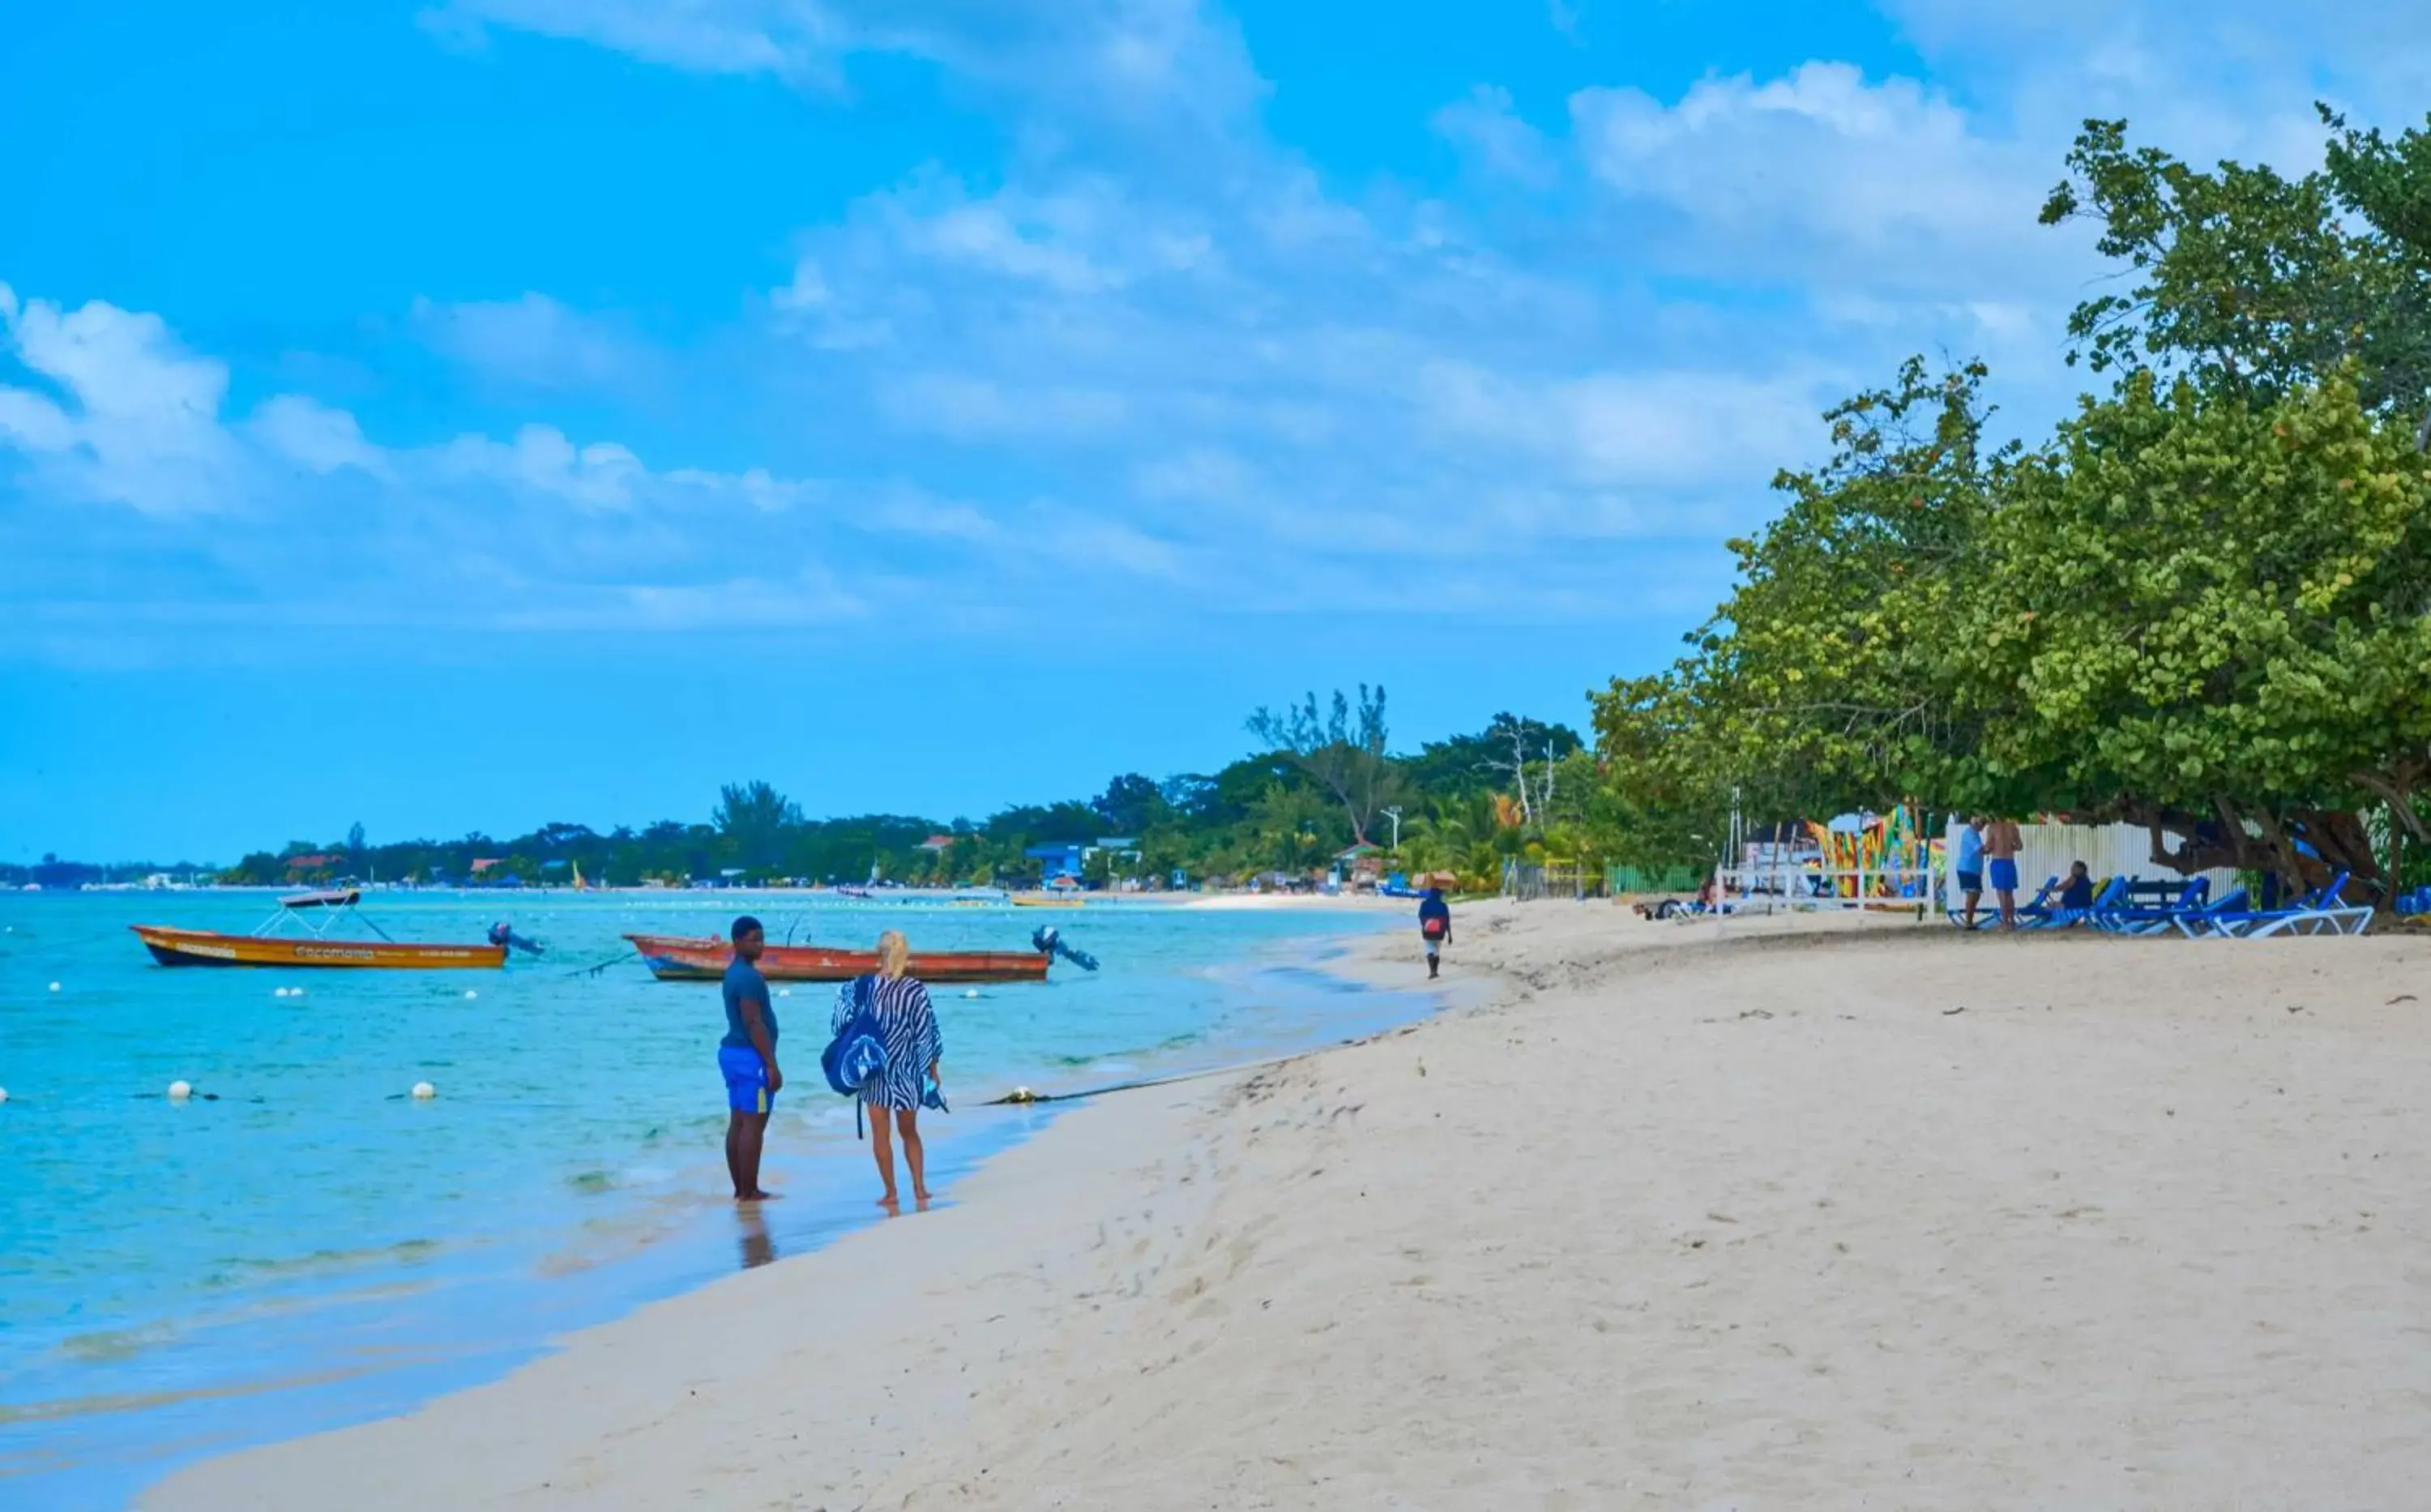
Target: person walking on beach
915	1046
1435	928
2002	843
747	1059
1968	864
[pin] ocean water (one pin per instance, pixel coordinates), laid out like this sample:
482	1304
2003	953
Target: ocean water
302	1245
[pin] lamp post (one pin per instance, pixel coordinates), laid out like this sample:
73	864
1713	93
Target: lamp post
1394	814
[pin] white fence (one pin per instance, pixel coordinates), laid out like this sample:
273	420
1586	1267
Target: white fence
1783	885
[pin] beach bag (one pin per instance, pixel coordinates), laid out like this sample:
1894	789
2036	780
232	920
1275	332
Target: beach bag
855	1060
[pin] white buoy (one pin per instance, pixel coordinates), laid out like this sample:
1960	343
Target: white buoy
279	992
970	992
469	992
55	986
784	992
181	1091
424	1091
4	1094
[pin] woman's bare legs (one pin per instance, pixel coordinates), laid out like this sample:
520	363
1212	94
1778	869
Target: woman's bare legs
882	1148
908	1122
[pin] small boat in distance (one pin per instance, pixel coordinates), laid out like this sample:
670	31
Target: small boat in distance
680	958
313	946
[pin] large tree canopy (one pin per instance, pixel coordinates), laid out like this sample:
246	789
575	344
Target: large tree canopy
2252	282
2203	604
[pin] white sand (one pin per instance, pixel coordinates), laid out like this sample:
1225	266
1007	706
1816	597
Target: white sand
1754	1227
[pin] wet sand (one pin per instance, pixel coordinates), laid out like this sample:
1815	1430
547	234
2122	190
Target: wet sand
1856	1214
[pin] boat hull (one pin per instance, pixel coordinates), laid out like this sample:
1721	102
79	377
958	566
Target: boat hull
678	958
204	948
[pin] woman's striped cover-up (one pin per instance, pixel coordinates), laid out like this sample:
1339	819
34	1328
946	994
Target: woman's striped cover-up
906	1025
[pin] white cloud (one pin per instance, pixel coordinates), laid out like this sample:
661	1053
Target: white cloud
802	43
1664	429
541	459
1824	175
1150	62
971	408
140	421
533	340
1490	133
1199	475
315	437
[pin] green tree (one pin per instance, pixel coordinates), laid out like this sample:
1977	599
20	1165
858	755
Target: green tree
2251	282
2214	617
1824	680
1343	751
753	818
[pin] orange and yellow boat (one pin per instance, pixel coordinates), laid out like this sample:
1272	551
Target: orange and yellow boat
312	947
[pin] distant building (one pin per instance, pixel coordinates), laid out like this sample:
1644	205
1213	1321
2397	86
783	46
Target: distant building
1064	859
937	843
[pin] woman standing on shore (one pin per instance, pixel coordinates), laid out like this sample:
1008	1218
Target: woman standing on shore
908	1026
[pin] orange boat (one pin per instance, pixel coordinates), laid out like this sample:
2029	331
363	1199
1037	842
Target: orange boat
311	948
680	958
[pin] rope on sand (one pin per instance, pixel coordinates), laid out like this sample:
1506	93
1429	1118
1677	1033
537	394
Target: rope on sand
1023	1097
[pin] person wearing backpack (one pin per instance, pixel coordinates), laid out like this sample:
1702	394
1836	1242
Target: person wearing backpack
890	1007
1435	928
746	1057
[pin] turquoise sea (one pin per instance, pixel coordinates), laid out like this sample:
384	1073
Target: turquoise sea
302	1245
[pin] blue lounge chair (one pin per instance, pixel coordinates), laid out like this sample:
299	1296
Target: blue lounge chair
2316	913
2197	923
2113	896
1987	917
2152	920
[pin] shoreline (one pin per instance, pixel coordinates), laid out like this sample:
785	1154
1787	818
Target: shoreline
460	1314
1876	1214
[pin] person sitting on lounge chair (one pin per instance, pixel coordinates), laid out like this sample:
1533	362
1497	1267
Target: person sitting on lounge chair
2076	894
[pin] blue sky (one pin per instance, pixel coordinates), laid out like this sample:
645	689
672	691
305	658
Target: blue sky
490	411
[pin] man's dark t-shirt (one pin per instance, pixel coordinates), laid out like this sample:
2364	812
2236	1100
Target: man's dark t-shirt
743	981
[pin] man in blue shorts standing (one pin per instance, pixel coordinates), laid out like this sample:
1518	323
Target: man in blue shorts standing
1969	864
747	1058
2002	843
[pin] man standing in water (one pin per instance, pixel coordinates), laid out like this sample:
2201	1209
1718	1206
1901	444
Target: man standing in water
2002	843
747	1058
1434	927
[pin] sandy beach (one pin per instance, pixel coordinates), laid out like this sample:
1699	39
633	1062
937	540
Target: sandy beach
1874	1215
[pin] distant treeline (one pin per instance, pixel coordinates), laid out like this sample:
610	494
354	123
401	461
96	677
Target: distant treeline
1327	785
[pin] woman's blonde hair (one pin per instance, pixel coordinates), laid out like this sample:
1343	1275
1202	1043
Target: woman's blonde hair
894	953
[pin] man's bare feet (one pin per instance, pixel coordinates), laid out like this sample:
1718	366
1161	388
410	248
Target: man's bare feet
890	1202
920	1193
757	1197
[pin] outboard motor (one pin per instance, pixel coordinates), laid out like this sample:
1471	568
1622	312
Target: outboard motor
503	933
1049	942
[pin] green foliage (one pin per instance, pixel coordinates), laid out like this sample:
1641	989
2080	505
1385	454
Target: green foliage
2208	606
2252	283
2205	603
1823	682
1267	810
1342	751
